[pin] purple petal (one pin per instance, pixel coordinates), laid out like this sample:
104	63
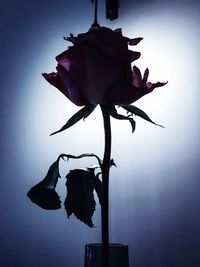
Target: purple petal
63	82
54	79
118	30
145	77
137	77
70	86
134	55
135	41
71	38
120	95
152	86
65	62
63	55
124	94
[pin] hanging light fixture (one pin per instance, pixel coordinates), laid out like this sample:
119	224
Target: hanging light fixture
112	7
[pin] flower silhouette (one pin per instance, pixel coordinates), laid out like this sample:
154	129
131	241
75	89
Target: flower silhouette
97	68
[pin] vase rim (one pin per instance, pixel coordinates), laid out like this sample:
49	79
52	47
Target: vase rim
110	244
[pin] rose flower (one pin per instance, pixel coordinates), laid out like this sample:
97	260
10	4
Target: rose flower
97	69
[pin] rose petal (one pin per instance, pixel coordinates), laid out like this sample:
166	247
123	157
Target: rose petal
137	77
97	69
119	31
63	55
55	79
90	69
152	86
145	77
70	86
71	38
103	36
135	41
134	55
65	62
130	94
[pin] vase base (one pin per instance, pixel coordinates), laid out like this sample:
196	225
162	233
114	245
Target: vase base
118	255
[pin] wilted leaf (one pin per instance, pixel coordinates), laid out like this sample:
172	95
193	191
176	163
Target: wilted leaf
81	114
138	112
45	198
80	198
43	194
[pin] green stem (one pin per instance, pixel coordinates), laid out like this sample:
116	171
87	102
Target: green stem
105	181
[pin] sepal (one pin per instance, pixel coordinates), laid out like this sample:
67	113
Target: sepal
113	112
81	114
138	112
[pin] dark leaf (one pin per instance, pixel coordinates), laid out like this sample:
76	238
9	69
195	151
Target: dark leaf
43	194
80	198
138	112
45	198
51	177
81	114
113	112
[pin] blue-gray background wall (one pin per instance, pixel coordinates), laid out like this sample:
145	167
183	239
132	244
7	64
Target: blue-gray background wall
155	191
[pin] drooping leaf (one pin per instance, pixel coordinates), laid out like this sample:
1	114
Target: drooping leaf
52	176
45	198
80	198
98	186
43	194
138	112
113	112
81	114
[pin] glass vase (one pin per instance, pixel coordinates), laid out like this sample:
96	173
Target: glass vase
118	255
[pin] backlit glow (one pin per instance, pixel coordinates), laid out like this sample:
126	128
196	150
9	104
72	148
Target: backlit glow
154	189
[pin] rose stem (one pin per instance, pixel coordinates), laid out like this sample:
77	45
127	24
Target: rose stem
105	181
